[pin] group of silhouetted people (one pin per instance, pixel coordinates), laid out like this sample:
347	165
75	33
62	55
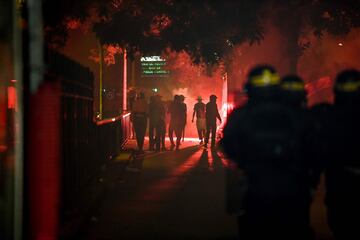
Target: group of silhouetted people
206	120
283	147
178	114
155	114
152	114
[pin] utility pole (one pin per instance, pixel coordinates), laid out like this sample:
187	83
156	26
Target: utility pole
225	92
124	107
19	146
101	75
224	77
133	73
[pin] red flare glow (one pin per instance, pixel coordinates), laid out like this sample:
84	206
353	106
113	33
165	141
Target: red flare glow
158	190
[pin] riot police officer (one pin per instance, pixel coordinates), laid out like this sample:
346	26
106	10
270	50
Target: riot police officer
264	138
293	91
342	170
293	94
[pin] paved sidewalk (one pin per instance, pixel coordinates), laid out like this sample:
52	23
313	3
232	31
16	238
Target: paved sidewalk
175	195
113	173
188	142
121	192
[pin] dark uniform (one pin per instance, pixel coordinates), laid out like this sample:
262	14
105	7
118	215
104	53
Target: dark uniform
293	91
342	170
293	94
320	134
265	140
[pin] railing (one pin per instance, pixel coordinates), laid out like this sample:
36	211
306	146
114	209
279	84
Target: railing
87	145
112	135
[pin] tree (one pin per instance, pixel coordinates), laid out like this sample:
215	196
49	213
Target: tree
206	29
60	16
293	17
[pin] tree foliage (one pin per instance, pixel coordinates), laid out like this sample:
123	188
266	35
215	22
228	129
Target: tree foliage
205	29
320	16
335	17
57	15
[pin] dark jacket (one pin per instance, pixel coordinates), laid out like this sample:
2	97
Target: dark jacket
265	139
212	113
342	173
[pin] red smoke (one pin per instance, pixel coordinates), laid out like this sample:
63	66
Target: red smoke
192	81
244	57
318	65
326	58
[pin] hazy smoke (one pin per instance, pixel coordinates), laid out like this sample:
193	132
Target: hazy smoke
318	66
328	56
192	81
244	57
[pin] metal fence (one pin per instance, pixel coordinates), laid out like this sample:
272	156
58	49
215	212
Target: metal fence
87	145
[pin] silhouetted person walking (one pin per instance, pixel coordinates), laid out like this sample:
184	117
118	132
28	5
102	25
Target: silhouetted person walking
140	113
158	115
184	109
199	112
211	115
153	117
177	115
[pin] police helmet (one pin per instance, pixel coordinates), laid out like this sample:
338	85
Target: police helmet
293	90
263	77
292	83
347	81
